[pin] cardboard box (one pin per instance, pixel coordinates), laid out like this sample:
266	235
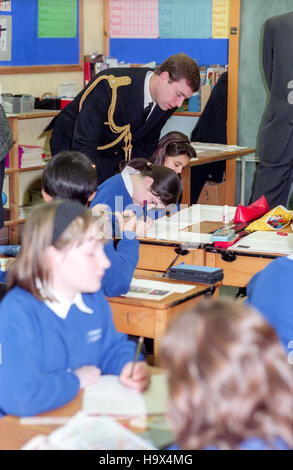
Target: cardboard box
205	91
212	193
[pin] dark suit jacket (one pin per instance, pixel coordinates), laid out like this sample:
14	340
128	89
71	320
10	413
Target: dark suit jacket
276	128
86	130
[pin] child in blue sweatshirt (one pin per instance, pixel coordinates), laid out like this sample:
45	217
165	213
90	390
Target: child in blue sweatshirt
71	175
56	328
140	185
173	151
230	382
270	293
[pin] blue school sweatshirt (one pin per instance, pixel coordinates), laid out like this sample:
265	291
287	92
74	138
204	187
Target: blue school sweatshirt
113	192
40	350
124	259
270	292
254	443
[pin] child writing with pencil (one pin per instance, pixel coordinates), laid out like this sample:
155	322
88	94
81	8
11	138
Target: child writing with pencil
71	175
139	181
56	327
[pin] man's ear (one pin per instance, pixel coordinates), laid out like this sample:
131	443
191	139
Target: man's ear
164	76
147	182
46	196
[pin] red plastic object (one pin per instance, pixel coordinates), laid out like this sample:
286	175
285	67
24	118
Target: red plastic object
252	212
64	102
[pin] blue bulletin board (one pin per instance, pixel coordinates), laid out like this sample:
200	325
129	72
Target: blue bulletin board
139	51
141	32
30	52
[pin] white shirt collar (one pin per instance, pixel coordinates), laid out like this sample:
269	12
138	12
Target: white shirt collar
290	256
147	95
61	305
128	170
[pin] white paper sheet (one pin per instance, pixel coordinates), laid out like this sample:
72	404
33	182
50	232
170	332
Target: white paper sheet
265	242
84	432
202	146
167	228
154	290
110	397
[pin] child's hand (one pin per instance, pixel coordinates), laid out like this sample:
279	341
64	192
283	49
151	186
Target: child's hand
141	377
100	209
87	375
127	221
142	227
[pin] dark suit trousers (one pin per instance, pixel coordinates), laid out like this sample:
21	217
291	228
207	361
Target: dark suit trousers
2	170
274	179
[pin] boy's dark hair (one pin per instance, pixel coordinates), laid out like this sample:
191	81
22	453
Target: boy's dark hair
70	175
181	66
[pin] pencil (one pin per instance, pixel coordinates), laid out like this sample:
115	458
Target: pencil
138	348
104	212
145	205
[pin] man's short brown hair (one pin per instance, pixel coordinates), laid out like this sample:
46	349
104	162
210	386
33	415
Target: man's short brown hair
181	66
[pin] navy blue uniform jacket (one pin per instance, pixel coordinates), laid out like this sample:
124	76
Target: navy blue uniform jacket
87	129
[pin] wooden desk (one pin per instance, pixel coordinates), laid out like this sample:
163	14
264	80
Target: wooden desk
14	435
211	156
150	318
238	267
157	255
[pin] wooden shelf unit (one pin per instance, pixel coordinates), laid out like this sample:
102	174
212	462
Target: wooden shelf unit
14	171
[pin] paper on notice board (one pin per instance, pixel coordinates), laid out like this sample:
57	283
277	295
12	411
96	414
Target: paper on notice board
220	19
134	19
5	37
188	19
5	5
57	18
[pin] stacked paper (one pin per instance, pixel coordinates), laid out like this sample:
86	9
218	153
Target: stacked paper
30	155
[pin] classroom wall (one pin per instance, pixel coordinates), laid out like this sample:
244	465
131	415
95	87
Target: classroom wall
253	93
38	83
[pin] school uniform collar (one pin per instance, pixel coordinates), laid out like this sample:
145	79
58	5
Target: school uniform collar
62	305
147	94
125	174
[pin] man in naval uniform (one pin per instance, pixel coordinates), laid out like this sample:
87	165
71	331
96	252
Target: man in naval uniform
121	112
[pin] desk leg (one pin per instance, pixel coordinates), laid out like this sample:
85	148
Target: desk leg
160	327
230	189
243	180
186	181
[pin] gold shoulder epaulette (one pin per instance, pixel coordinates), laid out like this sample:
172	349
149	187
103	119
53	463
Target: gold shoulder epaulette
124	131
